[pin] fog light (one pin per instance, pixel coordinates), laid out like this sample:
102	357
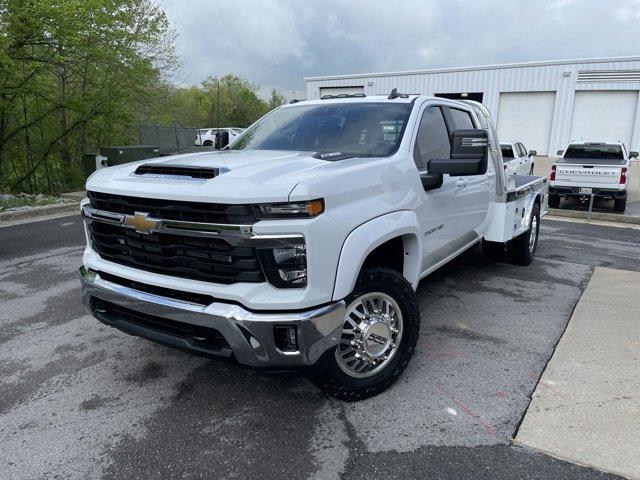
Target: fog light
285	338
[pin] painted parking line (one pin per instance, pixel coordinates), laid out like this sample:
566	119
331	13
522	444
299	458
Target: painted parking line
585	407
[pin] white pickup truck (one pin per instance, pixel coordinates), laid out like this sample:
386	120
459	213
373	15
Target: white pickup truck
517	159
303	243
586	168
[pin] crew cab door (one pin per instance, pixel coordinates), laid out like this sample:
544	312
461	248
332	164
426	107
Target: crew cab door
441	219
477	191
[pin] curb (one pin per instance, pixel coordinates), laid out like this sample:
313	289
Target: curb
40	212
76	196
603	216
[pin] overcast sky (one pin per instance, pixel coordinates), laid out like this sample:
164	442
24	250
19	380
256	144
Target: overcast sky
277	43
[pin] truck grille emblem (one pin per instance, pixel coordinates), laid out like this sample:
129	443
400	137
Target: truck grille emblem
141	222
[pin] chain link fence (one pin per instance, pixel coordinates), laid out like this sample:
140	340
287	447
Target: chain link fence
168	140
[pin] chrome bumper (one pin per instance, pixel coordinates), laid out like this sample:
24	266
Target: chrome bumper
249	335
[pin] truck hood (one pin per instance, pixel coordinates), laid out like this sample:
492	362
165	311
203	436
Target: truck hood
246	176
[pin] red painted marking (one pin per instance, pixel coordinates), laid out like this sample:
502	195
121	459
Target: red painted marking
468	411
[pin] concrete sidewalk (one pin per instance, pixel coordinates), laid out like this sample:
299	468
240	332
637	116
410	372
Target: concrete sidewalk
586	407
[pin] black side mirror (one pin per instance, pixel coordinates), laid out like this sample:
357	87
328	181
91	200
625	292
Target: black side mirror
633	154
431	181
222	139
532	153
469	149
560	152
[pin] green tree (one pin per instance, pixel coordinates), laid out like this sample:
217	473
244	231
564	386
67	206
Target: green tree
276	99
74	74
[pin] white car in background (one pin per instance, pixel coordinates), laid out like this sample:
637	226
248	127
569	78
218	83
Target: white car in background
206	137
516	158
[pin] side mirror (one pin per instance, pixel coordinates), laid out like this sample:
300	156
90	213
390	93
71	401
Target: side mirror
533	153
222	139
560	152
469	150
633	154
430	181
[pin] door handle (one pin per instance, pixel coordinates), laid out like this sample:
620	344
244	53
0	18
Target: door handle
491	174
462	183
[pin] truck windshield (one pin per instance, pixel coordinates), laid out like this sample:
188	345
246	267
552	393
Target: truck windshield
603	152
353	129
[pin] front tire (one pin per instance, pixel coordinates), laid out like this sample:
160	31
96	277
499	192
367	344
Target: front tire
522	249
379	336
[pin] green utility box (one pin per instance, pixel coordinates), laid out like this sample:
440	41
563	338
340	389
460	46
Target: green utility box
120	155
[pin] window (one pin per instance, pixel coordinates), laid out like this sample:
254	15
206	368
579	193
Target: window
353	129
462	119
601	152
522	152
433	138
507	152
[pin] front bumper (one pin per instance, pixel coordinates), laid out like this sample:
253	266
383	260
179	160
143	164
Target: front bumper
217	329
598	192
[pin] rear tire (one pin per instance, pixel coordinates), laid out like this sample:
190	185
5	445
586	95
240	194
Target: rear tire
377	321
207	143
620	204
522	249
554	200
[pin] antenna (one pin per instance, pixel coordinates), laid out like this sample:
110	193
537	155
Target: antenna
395	94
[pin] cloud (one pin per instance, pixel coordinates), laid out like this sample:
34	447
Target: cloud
277	43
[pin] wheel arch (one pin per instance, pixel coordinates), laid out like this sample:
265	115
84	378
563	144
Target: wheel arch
372	237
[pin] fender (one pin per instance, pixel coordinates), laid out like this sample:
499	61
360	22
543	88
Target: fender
529	208
366	237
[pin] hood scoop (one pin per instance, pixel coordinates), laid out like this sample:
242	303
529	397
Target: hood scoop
177	172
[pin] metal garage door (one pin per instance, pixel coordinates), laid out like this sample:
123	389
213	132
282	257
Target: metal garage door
602	115
340	90
527	117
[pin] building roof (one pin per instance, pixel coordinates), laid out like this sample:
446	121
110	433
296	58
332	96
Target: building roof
480	67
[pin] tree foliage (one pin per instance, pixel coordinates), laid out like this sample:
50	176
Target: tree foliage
73	74
79	74
229	100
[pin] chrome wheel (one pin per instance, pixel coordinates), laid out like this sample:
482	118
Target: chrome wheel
371	334
533	236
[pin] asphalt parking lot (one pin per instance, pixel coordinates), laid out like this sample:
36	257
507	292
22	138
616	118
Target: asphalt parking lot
81	400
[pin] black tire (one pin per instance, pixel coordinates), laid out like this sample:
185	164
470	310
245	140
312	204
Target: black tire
493	251
620	204
522	249
207	143
553	200
531	170
334	381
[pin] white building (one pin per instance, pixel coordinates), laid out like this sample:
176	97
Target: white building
544	104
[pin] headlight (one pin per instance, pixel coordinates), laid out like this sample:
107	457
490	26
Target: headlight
309	209
285	267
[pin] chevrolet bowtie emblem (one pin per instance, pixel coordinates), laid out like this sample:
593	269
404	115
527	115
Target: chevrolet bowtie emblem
142	223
